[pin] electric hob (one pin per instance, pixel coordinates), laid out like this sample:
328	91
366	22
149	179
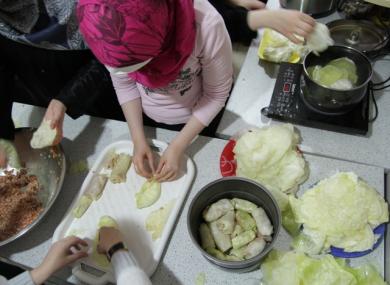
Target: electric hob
287	104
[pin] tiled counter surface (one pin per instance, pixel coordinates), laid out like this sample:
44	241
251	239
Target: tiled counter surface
182	262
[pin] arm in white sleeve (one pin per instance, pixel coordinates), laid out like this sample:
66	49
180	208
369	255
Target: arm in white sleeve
127	271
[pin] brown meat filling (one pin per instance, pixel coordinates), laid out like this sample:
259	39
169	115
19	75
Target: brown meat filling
19	203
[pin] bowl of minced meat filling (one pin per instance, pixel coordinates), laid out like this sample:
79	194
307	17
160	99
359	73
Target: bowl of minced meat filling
19	202
28	192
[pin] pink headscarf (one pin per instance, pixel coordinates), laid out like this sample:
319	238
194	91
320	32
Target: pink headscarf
125	32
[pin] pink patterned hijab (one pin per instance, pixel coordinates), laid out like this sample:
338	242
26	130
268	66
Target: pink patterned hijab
125	32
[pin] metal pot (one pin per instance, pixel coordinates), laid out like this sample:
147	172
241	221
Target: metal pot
233	187
315	8
332	101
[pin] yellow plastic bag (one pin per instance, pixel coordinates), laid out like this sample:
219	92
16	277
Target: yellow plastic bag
275	47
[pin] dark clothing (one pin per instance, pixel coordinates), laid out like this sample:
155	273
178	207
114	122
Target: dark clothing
235	19
35	76
209	131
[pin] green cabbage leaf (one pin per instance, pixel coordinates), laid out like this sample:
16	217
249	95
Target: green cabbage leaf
339	211
295	268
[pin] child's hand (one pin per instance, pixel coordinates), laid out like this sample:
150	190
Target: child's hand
169	165
291	23
61	254
55	113
141	153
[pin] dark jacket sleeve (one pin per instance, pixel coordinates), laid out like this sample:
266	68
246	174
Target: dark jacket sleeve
7	127
235	19
84	88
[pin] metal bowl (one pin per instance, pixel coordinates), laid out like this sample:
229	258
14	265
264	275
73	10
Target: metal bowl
233	187
49	171
329	100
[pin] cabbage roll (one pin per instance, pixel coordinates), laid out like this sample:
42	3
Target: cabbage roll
239	252
222	240
232	258
82	206
96	187
243	205
221	256
217	210
254	248
119	171
245	220
216	253
264	226
226	223
237	230
206	238
243	239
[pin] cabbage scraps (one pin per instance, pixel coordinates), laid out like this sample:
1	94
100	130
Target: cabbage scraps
291	268
339	74
269	156
339	211
319	39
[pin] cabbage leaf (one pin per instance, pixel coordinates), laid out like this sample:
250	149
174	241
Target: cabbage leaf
294	268
343	209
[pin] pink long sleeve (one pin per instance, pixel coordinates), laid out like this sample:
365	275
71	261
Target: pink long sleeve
125	88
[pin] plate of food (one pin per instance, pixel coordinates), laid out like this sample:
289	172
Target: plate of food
144	210
29	184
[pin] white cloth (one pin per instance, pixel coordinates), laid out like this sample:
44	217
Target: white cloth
127	271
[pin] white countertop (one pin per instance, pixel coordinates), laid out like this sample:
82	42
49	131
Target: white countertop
87	136
253	90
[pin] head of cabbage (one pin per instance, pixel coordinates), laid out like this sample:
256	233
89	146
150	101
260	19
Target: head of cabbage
269	155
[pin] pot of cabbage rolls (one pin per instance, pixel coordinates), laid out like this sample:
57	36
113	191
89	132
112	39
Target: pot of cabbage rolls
234	222
336	80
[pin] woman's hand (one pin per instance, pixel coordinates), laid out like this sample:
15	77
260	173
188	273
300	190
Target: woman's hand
61	254
3	158
108	236
287	22
143	159
291	23
169	166
55	113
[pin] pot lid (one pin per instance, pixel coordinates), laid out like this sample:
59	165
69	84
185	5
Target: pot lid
361	35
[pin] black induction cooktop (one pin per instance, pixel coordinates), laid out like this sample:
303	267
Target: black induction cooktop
287	104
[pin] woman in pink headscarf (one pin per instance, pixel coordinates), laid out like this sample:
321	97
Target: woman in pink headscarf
168	59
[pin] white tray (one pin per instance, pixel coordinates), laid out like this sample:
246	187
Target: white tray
118	201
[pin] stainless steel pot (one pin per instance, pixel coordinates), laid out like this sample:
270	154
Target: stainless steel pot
312	7
233	187
332	101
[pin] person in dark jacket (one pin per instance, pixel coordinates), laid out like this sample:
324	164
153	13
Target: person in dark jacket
244	17
44	62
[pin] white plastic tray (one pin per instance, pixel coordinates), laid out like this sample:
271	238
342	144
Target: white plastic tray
118	201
